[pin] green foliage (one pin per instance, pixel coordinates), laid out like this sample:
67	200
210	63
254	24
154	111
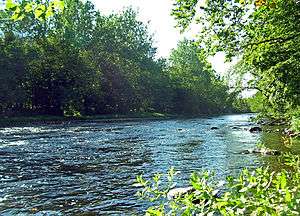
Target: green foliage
295	124
40	10
294	119
76	61
195	81
197	87
72	62
242	105
258	192
263	34
256	103
80	62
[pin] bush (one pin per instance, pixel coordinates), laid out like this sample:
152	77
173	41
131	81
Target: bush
258	192
295	124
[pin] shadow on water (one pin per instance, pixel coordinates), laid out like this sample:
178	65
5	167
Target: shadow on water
89	168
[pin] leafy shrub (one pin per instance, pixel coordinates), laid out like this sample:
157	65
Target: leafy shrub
258	192
295	124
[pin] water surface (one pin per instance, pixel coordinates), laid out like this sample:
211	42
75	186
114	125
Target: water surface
89	168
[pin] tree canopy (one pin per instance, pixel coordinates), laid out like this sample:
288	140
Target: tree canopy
77	61
40	10
264	34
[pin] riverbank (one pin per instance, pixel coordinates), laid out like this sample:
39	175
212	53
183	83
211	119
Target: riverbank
49	119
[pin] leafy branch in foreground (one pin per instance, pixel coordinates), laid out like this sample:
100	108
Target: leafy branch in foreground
258	192
41	10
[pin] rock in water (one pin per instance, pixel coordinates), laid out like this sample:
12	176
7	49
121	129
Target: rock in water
246	152
255	129
178	192
214	128
262	151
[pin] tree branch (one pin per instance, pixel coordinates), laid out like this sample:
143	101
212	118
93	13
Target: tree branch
274	40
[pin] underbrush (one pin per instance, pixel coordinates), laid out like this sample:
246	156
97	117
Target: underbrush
253	192
295	124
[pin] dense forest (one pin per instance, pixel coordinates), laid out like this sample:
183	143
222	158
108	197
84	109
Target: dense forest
77	61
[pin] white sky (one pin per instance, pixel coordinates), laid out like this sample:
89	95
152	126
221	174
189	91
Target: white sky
162	24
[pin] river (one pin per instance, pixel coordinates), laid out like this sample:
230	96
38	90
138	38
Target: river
88	168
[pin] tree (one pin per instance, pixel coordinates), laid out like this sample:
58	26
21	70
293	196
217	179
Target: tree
197	88
12	95
264	34
80	62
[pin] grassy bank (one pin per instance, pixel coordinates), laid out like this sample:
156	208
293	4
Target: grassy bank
48	119
6	121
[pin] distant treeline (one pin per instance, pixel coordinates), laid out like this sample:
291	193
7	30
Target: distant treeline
80	62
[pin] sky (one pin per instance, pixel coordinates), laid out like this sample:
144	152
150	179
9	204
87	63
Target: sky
161	23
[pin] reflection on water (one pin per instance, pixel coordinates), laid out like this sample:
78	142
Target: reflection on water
90	167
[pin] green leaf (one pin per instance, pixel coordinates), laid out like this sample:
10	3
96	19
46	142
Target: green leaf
283	181
49	13
39	11
288	196
59	4
29	7
10	4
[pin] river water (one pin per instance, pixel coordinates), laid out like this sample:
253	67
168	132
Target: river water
88	168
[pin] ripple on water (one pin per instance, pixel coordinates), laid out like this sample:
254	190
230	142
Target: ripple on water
89	168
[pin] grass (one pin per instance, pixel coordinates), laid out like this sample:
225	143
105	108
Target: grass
8	121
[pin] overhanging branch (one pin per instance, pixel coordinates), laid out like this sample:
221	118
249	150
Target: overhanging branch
274	40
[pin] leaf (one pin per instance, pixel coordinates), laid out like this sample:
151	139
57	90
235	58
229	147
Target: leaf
17	15
244	189
29	7
49	13
283	181
39	11
60	5
10	5
288	197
